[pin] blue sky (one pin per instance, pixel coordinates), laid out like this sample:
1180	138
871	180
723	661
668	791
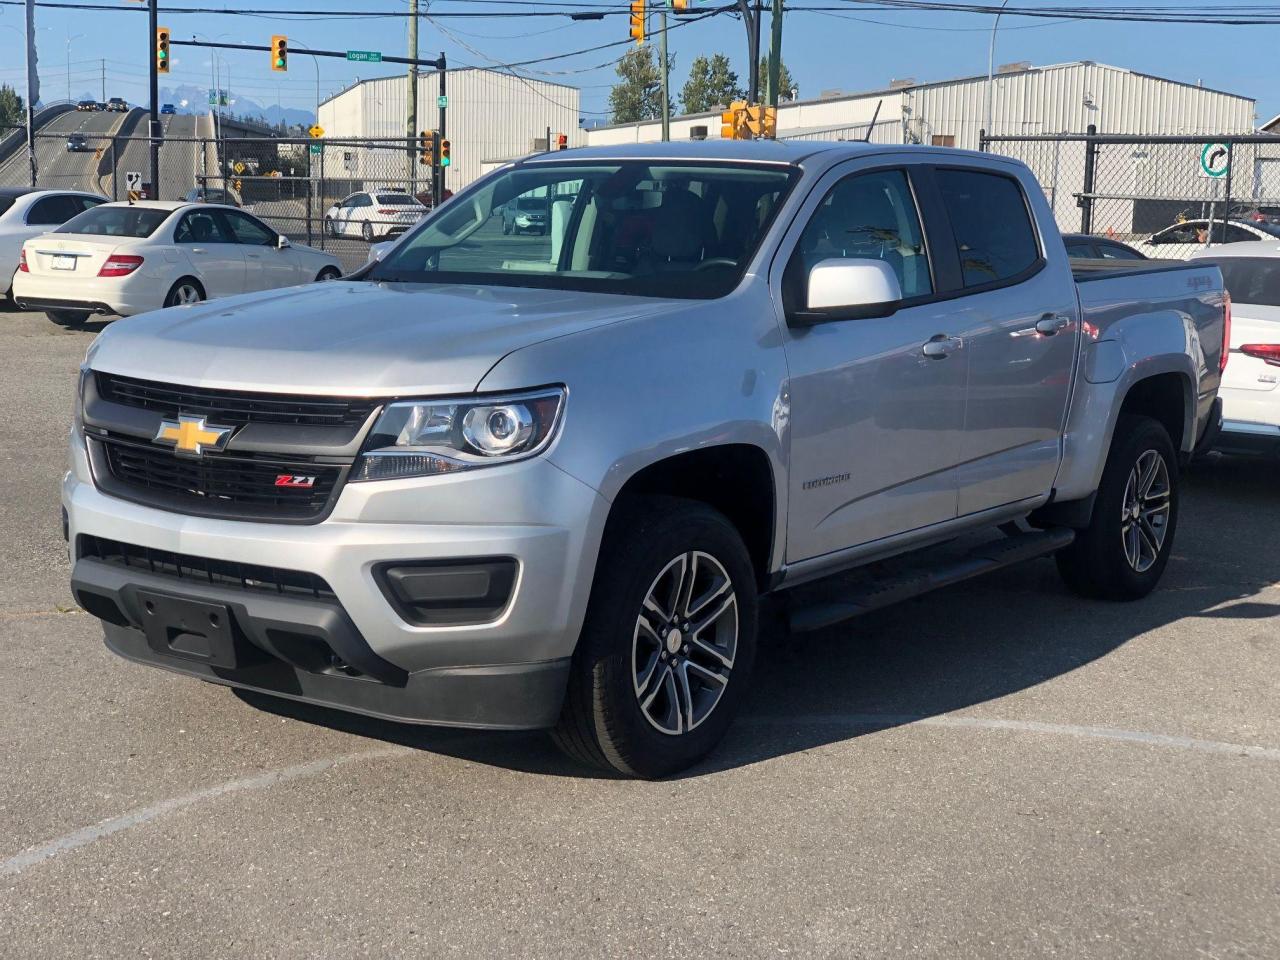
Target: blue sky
854	51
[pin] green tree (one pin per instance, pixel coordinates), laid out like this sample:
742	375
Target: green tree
638	93
712	83
12	109
787	87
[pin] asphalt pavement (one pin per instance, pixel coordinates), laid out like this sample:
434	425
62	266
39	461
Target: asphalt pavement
57	167
996	770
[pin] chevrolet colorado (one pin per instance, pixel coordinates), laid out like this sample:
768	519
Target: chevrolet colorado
544	480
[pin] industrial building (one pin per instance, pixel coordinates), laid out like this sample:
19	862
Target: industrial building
488	115
1063	98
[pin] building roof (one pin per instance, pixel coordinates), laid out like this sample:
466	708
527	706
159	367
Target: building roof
399	78
905	88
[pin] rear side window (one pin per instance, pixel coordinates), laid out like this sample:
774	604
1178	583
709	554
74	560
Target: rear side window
107	221
1254	280
1080	251
992	226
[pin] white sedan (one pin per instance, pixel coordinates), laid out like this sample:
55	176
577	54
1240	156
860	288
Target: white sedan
1181	240
127	258
1250	398
368	215
28	213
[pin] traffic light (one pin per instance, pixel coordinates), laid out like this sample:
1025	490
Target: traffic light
682	6
562	141
762	122
637	20
279	52
426	147
732	126
444	153
162	49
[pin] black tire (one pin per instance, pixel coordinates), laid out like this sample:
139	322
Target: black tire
328	273
178	292
602	723
68	318
506	229
330	227
1099	563
366	232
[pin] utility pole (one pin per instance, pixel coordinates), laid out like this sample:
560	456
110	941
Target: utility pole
775	54
103	64
412	132
33	88
665	66
442	101
153	24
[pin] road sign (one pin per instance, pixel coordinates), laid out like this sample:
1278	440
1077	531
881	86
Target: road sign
133	184
1215	160
316	131
316	149
442	101
238	167
365	56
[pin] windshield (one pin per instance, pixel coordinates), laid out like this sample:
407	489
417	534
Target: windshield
116	221
633	227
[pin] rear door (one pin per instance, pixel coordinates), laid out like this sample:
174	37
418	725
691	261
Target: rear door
218	261
1019	319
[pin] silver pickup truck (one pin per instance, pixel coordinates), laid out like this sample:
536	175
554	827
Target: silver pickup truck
546	480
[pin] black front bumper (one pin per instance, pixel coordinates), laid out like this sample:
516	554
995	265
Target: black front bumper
304	649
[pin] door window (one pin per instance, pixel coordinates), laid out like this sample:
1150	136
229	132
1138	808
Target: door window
991	223
87	203
1116	251
1234	234
248	230
1193	231
202	226
53	210
870	216
1081	251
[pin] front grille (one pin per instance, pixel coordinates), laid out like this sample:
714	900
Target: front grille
221	484
234	407
222	573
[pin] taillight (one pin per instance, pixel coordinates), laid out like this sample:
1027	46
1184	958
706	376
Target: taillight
1226	332
388	211
120	265
1270	352
22	263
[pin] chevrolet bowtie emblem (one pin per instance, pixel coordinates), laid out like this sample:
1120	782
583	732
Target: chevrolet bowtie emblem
192	436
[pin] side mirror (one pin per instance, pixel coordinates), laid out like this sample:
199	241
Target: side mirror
848	289
282	242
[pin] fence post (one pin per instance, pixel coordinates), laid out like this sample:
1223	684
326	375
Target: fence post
115	170
983	142
311	185
320	194
1090	170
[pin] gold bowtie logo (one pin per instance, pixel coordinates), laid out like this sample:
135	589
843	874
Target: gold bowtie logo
192	436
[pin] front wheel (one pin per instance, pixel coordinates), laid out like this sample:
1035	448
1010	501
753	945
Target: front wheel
366	232
1122	554
328	273
330	227
668	643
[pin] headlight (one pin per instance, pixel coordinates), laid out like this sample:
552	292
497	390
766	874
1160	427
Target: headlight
422	438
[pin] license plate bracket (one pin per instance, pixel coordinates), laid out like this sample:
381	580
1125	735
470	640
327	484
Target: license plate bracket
64	261
189	629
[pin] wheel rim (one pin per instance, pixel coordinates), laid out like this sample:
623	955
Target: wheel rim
1144	522
367	231
187	293
685	642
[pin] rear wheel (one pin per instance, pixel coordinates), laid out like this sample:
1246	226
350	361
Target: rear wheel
185	291
668	643
70	318
1122	554
328	273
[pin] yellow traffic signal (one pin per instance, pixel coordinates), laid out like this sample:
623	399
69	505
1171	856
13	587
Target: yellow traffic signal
162	49
279	52
762	122
444	153
682	6
637	20
426	147
732	125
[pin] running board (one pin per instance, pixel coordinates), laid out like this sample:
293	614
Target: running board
823	604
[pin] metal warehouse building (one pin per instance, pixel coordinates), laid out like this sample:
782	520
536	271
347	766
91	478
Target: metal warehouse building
1064	98
489	114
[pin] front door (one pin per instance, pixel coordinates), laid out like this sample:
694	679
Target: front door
218	261
266	266
875	423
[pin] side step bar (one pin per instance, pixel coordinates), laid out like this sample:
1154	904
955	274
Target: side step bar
813	608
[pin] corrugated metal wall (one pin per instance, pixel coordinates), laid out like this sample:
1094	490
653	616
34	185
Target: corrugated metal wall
490	116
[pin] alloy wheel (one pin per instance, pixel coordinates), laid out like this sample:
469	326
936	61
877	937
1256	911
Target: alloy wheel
1144	522
685	642
185	294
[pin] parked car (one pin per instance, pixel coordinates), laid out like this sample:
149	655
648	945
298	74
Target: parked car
117	105
211	195
127	258
1183	239
525	215
1250	400
87	106
1084	246
76	143
368	215
28	213
167	109
519	482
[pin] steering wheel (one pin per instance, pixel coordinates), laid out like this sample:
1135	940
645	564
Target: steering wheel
717	262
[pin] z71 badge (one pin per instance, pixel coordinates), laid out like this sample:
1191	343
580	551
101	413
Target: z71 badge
294	480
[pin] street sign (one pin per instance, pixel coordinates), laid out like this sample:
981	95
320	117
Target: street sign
365	56
133	184
1215	160
316	131
442	101
316	149
238	167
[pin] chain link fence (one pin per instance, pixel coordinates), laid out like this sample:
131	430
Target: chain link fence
1156	191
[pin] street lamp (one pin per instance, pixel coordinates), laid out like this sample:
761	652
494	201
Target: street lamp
991	66
316	63
78	36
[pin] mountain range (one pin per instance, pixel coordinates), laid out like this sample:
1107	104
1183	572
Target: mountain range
198	102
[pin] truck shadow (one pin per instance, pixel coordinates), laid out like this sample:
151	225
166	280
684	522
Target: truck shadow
969	644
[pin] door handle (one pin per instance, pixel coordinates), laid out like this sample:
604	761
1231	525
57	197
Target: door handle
1052	323
941	346
199	250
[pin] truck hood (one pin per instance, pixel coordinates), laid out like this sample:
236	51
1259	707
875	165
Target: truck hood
352	338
